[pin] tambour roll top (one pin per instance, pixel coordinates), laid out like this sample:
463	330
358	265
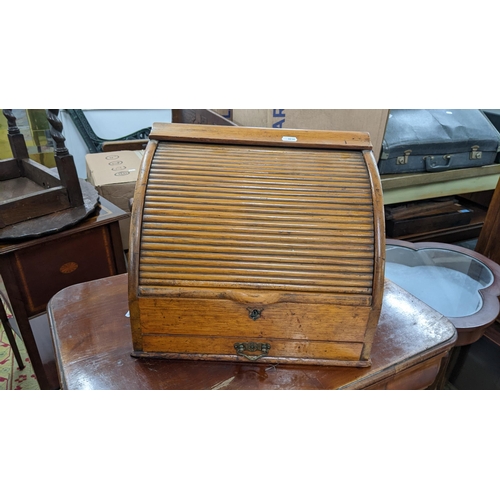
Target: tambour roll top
259	245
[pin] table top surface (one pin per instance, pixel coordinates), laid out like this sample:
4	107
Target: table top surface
105	213
93	343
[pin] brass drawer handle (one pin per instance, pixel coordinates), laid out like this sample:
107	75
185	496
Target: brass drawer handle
252	347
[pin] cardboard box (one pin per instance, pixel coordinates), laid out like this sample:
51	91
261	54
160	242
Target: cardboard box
226	113
114	175
372	121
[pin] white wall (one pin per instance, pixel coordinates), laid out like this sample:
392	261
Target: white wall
108	124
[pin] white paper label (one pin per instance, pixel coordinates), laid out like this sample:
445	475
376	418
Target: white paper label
287	138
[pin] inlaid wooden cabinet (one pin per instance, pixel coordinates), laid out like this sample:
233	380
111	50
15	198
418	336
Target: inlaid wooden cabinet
258	245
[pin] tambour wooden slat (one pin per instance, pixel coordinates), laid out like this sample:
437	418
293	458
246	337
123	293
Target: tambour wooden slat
275	267
233	171
285	280
265	286
249	221
247	276
160	228
285	251
156	198
322	259
255	174
181	190
259	205
311	213
284	223
263	180
279	240
270	170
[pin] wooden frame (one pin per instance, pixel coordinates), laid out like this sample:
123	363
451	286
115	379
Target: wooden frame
469	328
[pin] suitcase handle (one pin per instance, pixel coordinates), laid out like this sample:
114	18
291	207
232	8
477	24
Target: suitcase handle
432	166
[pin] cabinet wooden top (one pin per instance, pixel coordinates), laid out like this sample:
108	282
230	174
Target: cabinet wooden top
261	136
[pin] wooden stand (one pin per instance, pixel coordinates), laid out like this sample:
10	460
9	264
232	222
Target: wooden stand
34	200
34	269
10	336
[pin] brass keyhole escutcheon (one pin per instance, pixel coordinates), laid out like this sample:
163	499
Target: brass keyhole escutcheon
254	313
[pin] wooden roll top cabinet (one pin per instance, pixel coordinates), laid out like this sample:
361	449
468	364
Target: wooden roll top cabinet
255	244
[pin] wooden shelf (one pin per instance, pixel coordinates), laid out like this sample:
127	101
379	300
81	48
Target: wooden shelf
457	233
399	188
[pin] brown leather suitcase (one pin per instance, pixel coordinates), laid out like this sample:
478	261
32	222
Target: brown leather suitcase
257	245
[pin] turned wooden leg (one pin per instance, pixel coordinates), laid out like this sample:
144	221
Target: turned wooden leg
10	335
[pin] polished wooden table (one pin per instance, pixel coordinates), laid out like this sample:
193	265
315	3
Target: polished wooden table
34	269
93	345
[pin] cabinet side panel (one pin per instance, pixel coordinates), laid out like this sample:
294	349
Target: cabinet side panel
135	242
379	251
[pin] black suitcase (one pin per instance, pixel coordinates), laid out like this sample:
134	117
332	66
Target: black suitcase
430	140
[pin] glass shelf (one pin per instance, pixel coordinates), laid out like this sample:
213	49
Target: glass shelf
447	280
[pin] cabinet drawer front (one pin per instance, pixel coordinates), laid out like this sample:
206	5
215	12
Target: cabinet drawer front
297	321
46	269
224	348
